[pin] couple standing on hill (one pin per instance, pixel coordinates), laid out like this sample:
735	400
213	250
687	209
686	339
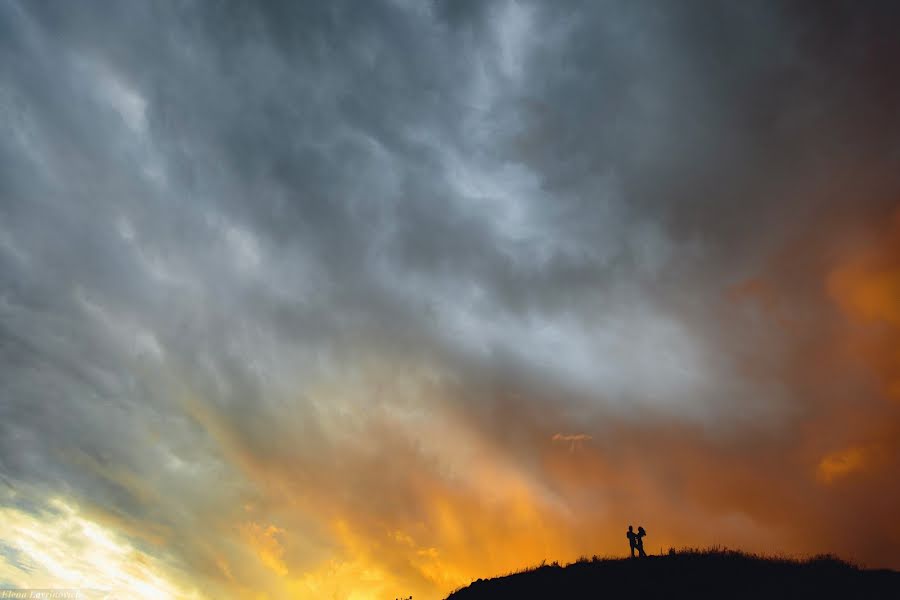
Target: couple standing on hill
636	540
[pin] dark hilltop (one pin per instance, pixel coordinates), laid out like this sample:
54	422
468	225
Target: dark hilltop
691	574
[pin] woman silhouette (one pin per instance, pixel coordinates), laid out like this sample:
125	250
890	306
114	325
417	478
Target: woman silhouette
632	536
639	541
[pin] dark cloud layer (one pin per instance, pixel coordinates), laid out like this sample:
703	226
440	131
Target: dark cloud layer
296	297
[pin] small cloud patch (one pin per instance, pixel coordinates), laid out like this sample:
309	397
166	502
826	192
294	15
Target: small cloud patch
573	439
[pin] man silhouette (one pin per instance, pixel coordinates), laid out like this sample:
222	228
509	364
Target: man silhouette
639	541
632	539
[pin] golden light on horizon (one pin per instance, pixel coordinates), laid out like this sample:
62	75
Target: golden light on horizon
66	549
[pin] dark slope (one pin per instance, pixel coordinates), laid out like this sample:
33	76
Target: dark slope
709	574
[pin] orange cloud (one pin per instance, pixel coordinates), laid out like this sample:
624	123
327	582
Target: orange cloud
264	541
869	288
866	287
840	464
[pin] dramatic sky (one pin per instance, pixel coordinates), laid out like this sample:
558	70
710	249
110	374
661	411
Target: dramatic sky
369	299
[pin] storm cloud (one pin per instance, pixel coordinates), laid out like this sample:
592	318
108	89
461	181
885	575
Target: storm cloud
300	298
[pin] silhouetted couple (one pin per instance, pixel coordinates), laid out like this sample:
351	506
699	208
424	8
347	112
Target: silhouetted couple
636	540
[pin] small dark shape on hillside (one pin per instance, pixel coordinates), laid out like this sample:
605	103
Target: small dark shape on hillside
691	573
